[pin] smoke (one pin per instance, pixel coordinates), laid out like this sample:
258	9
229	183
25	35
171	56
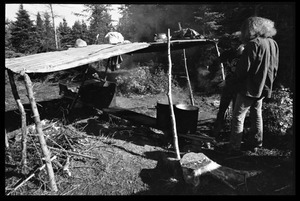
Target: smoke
152	18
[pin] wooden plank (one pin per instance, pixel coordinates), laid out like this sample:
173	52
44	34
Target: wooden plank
175	45
74	57
71	58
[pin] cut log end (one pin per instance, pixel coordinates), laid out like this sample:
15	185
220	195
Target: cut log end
196	164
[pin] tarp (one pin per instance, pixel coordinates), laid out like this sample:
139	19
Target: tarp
74	57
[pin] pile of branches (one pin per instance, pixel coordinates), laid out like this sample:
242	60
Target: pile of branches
68	147
75	157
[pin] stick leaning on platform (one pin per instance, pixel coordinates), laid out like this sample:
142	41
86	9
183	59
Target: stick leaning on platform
187	73
46	152
169	94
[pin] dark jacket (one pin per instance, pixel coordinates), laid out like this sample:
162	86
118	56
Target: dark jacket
257	68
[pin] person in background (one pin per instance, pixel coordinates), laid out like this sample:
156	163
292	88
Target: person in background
229	58
254	76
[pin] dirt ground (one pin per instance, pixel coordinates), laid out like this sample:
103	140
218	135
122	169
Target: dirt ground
123	157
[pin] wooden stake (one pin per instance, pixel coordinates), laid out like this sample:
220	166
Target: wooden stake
39	129
169	94
23	118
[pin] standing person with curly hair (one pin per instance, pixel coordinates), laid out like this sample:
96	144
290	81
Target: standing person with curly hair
254	76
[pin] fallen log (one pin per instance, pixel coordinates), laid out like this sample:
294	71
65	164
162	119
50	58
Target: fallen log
194	165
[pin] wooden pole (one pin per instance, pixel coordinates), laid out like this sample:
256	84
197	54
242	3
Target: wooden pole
23	119
188	79
169	94
222	67
39	129
55	34
187	73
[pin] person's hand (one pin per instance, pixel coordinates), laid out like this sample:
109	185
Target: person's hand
240	49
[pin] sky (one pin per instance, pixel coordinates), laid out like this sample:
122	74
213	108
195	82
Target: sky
60	10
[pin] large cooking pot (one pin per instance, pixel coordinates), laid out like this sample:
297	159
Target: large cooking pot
163	116
186	118
99	94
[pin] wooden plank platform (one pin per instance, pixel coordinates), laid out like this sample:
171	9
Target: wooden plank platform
75	57
71	58
175	45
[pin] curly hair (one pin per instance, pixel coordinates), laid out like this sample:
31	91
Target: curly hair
257	27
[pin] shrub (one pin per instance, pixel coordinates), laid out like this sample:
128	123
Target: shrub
278	112
144	80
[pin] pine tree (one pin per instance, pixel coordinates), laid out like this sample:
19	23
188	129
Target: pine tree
40	31
7	35
64	34
23	33
76	31
39	23
100	21
48	41
84	33
79	30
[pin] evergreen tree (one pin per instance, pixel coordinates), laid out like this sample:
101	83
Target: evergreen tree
39	23
48	42
8	45
23	33
84	33
64	34
76	31
40	30
100	21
